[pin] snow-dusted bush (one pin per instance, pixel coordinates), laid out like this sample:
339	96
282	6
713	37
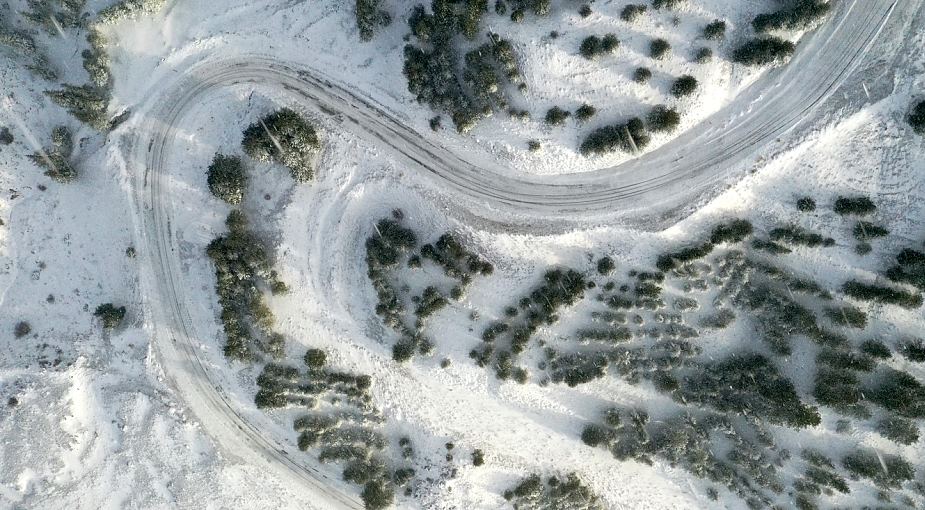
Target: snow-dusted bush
21	329
910	268
715	30
286	138
556	116
556	494
917	118
882	294
684	86
315	359
227	178
110	315
642	75
628	137
658	48
593	46
763	51
662	119
631	12
369	16
806	204
377	494
585	112
799	14
55	160
96	60
898	430
884	469
666	4
858	206
128	9
605	266
88	103
703	55
53	15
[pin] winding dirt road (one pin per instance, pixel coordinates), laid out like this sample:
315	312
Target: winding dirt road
657	184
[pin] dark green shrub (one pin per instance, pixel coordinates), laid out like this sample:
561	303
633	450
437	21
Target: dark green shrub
876	348
839	390
800	14
286	138
110	315
56	159
865	231
369	16
658	48
684	86
593	46
763	51
879	294
605	266
841	359
377	495
749	384
585	112
629	137
478	457
669	261
885	470
584	11
910	268
917	118
848	316
715	30
666	4
642	75
315	359
898	392
632	11
661	118
899	430
859	206
533	145
913	349
21	329
703	55
806	204
227	178
794	234
733	231
556	116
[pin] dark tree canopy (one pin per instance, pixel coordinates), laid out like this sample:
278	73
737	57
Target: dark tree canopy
286	138
227	178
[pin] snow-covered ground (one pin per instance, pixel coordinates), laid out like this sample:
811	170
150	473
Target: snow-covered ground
95	421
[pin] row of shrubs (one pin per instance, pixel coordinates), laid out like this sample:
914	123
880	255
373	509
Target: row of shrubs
243	273
340	425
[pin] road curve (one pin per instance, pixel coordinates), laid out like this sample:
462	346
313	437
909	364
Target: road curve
654	183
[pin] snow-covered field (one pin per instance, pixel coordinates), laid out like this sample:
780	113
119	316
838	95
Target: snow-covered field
96	419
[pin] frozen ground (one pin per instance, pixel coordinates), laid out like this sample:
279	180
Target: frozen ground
125	419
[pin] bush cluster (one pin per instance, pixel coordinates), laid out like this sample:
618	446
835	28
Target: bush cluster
631	136
369	16
763	51
242	271
284	137
227	178
631	12
663	119
797	15
909	268
555	494
110	315
467	90
128	9
592	47
882	294
917	118
56	159
858	206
